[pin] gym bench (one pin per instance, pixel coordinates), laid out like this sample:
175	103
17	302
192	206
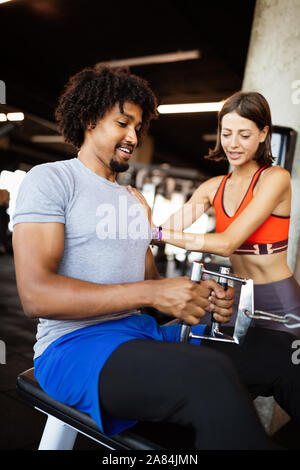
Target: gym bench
65	422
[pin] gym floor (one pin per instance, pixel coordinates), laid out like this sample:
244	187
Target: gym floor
21	426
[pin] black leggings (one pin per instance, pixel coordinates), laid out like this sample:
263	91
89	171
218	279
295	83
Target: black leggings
203	387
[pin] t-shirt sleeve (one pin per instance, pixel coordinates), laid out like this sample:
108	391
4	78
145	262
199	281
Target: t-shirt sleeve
41	197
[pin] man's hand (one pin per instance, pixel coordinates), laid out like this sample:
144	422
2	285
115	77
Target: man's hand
189	301
221	301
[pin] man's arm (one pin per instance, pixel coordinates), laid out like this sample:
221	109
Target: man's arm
38	248
222	307
151	271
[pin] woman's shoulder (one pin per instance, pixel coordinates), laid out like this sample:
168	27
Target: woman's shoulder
274	180
208	188
276	174
214	182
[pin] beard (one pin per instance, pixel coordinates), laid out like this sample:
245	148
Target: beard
118	167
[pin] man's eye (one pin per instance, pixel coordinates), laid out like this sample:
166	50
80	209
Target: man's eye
122	124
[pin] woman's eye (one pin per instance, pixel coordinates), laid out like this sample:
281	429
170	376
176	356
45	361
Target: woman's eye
122	124
245	136
225	135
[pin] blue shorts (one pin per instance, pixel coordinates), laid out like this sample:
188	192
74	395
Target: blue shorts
70	367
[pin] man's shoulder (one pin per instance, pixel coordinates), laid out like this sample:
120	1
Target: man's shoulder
52	166
55	172
44	193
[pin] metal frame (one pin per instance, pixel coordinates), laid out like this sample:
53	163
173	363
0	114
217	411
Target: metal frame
245	313
58	435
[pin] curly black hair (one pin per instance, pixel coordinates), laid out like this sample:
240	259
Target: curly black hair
93	91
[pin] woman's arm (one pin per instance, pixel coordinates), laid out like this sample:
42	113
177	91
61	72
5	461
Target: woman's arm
184	217
276	184
196	206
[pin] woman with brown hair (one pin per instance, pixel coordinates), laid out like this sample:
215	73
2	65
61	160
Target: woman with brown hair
252	207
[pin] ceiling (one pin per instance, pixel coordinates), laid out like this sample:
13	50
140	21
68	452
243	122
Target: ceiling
46	41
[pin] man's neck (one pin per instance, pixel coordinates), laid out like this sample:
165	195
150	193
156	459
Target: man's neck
96	165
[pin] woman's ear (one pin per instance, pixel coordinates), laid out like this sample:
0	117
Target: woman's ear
264	133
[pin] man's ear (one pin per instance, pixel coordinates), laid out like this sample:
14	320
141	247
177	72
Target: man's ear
90	126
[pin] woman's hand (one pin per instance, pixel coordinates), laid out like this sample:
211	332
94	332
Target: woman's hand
140	198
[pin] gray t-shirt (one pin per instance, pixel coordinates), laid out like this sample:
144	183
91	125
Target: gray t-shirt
106	232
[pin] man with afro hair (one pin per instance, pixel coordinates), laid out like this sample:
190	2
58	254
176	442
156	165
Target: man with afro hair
84	269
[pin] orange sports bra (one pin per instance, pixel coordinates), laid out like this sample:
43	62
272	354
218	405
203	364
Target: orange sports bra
271	237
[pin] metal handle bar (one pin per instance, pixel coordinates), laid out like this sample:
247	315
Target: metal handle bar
227	276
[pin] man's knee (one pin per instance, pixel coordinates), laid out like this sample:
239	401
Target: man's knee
205	366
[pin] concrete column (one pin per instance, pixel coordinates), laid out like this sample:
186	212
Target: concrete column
273	69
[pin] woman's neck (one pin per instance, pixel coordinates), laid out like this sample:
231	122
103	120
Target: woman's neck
245	171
